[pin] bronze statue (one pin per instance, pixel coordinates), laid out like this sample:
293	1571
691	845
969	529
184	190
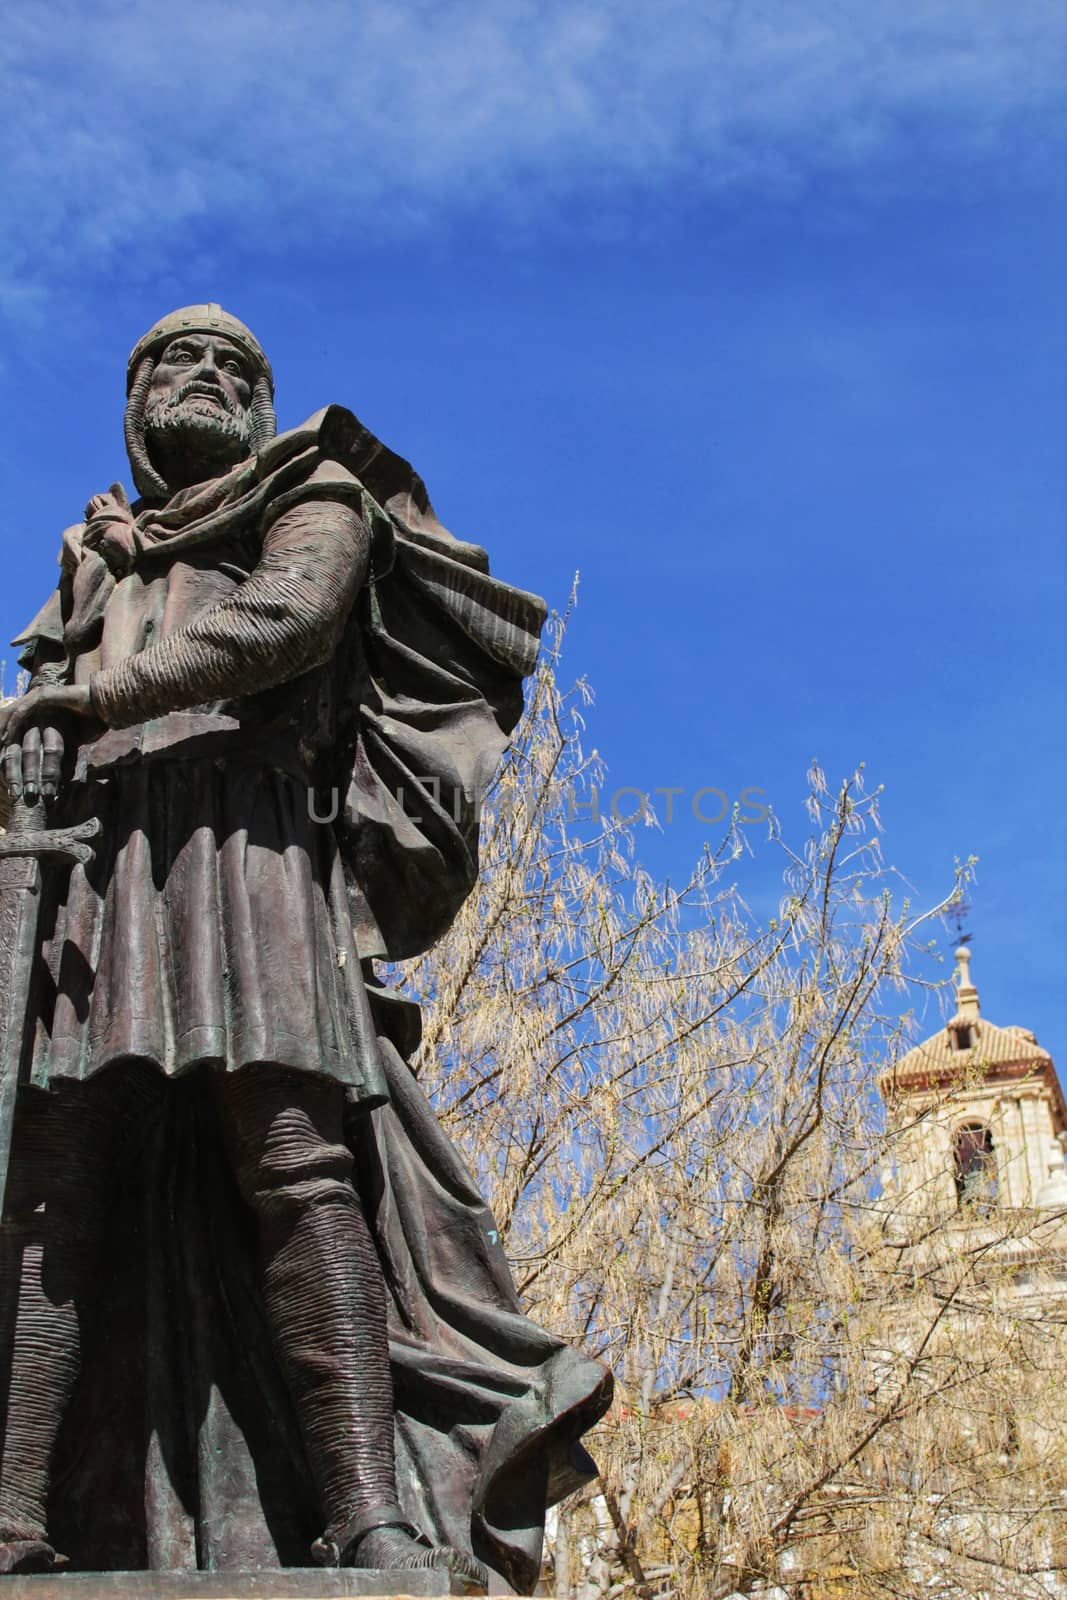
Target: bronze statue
254	1310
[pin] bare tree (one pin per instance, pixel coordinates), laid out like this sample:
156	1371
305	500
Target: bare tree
673	1110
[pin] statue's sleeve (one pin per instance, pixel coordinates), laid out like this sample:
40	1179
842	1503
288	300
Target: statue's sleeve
285	619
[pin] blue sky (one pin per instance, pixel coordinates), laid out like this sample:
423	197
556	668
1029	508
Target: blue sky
751	312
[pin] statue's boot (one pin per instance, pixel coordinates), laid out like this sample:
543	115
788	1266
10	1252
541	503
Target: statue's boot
28	1555
325	1298
62	1171
384	1541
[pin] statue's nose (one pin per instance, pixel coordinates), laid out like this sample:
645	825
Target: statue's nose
207	371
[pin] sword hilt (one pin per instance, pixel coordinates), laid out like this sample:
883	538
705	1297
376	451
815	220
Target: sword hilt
29	835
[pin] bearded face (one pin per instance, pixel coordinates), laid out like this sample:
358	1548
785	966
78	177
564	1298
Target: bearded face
212	422
196	419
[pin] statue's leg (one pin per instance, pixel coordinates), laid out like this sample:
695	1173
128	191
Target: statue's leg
64	1158
325	1300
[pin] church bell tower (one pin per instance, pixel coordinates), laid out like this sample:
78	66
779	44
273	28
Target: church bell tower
979	1115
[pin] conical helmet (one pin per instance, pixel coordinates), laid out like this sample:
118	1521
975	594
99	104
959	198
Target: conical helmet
210	318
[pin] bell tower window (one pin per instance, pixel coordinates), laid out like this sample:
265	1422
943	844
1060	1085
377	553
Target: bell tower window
974	1165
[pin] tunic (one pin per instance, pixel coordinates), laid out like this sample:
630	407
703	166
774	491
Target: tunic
213	925
298	638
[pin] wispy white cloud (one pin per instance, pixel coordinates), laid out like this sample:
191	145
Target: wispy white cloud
128	117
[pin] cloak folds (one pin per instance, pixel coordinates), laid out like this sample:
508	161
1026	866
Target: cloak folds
181	1448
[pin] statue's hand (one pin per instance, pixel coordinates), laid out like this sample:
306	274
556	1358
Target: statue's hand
31	741
109	529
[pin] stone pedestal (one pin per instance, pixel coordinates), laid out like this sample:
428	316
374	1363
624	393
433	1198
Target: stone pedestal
292	1583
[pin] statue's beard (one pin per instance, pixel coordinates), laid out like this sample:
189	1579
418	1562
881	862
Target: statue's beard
213	431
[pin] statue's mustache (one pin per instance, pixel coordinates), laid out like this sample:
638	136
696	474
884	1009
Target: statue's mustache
190	390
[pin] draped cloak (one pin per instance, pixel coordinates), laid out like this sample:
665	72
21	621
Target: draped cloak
226	921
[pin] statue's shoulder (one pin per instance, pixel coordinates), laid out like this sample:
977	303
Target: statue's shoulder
336	434
334	438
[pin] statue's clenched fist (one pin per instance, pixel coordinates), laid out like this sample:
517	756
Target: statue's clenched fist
31	737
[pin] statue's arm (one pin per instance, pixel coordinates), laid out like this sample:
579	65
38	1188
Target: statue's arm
284	619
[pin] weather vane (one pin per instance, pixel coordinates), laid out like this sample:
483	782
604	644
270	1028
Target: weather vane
959	914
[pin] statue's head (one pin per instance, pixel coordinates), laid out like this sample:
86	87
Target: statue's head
199	398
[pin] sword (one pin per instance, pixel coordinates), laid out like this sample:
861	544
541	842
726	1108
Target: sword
29	842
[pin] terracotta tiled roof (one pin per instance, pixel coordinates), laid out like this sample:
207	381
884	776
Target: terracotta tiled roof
991	1046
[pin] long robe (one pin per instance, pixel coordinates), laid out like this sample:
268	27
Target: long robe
222	924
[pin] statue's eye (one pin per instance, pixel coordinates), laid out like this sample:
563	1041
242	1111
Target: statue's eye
183	358
233	366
